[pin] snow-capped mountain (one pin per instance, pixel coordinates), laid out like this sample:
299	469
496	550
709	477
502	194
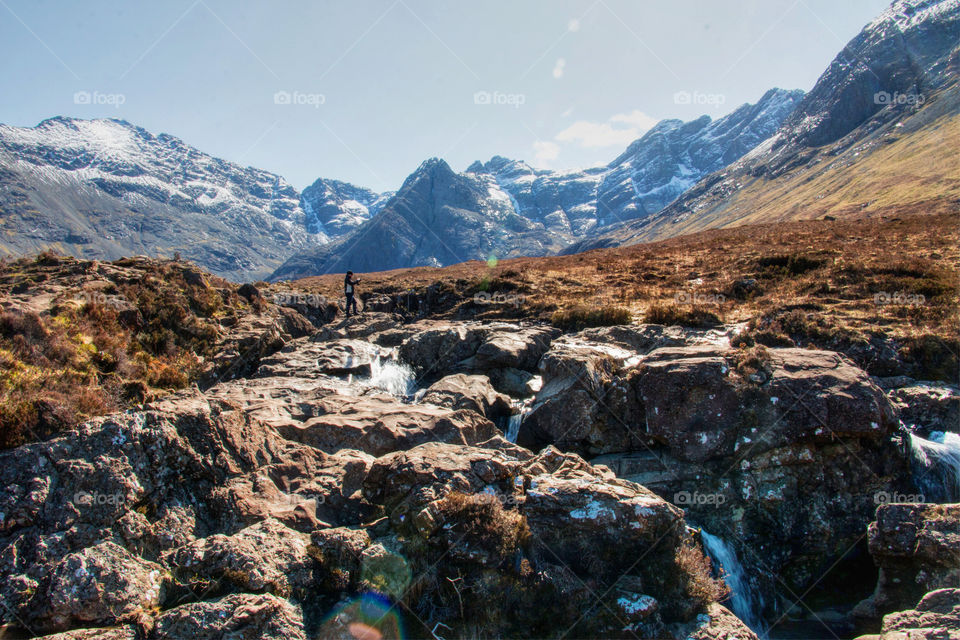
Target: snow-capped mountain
336	208
438	217
106	188
890	97
648	176
508	208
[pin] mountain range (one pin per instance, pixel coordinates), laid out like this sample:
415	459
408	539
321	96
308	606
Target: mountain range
878	132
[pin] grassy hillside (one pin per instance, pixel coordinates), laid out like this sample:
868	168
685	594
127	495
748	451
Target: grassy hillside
829	283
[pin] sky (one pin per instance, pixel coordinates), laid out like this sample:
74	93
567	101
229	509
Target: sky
365	90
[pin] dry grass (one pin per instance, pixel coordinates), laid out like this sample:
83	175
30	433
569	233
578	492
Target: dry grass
700	585
582	317
834	271
480	521
132	340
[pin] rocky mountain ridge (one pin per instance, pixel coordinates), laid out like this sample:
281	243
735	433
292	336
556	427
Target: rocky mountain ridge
505	208
876	134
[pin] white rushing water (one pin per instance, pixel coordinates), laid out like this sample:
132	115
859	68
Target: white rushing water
936	465
521	410
396	378
743	602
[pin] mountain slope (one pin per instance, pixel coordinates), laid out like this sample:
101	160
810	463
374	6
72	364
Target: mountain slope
647	176
437	217
507	208
106	189
878	133
336	208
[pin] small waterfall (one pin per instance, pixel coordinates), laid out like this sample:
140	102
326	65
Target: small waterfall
521	409
396	378
743	602
936	465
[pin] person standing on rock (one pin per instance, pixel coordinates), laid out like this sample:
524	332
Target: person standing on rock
348	290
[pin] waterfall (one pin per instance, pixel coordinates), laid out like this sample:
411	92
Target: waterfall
396	378
521	408
743	602
936	465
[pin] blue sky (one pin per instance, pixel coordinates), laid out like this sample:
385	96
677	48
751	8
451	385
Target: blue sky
364	90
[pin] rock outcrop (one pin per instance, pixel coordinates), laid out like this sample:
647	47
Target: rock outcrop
917	549
740	439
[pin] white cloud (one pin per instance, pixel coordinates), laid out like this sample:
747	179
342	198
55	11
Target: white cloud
611	133
545	152
558	68
573	25
636	118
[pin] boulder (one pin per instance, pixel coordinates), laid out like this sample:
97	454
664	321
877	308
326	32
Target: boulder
936	617
917	549
267	556
928	406
307	491
468	392
309	359
716	623
340	551
519	348
476	347
582	403
233	616
102	584
599	552
701	409
381	424
738	439
436	351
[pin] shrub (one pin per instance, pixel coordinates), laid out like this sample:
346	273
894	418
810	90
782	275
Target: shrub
793	264
697	572
484	523
685	316
582	317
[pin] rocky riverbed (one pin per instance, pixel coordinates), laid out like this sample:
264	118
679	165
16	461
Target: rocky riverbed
358	482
